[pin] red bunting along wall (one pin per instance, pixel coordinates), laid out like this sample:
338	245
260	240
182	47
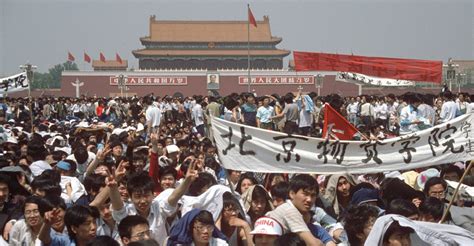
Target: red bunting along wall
394	68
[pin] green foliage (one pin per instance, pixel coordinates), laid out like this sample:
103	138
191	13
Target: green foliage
52	79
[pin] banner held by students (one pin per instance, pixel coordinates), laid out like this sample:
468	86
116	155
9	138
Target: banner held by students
246	148
14	83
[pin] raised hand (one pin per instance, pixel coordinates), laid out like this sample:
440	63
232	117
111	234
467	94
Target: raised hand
192	173
51	217
121	170
110	180
104	152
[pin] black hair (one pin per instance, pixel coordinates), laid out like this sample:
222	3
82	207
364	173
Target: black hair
77	215
450	169
46	185
228	200
362	185
288	98
289	239
259	192
80	153
204	179
94	182
168	170
50	174
32	200
434	181
280	190
303	182
204	216
355	219
140	183
50	202
103	240
432	206
36	150
126	224
5	179
395	227
402	207
394	188
244	176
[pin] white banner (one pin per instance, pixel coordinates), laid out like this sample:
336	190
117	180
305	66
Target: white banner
14	83
248	148
365	79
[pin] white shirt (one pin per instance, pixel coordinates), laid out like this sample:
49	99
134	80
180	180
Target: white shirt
381	111
104	230
77	189
82	167
448	111
38	167
353	108
160	209
153	115
367	110
408	115
197	115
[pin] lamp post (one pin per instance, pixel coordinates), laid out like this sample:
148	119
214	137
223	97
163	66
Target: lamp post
28	68
460	77
122	83
451	72
319	83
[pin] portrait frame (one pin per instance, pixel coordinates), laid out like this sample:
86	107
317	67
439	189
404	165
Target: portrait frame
213	82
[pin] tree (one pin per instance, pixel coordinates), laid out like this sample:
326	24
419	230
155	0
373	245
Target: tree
52	79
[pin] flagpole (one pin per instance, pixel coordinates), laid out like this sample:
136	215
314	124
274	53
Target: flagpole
248	48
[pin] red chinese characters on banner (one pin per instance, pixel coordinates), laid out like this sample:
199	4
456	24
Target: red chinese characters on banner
277	80
393	68
151	81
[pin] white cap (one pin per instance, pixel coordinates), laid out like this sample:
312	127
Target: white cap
172	149
267	226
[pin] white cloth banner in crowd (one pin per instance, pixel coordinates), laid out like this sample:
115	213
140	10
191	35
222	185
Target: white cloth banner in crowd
246	148
14	83
365	79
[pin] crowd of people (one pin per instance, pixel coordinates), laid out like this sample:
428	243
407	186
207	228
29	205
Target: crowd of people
146	171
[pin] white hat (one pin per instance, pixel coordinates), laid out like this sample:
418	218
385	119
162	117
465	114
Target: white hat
172	148
267	226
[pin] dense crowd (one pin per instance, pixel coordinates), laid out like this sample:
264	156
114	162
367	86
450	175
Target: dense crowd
146	171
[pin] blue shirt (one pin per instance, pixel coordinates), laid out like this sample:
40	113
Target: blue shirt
319	233
61	239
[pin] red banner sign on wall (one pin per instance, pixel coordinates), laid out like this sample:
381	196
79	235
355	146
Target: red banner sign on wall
277	80
394	68
136	80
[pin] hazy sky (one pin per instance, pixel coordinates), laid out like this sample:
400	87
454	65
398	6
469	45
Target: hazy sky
42	31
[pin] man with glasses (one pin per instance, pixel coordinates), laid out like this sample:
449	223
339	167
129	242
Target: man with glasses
435	187
133	228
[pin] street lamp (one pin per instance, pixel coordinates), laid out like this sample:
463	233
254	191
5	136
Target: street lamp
28	68
319	83
451	72
460	77
122	83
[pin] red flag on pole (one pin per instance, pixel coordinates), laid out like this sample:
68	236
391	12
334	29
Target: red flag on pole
118	58
251	18
102	57
87	58
70	57
339	127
